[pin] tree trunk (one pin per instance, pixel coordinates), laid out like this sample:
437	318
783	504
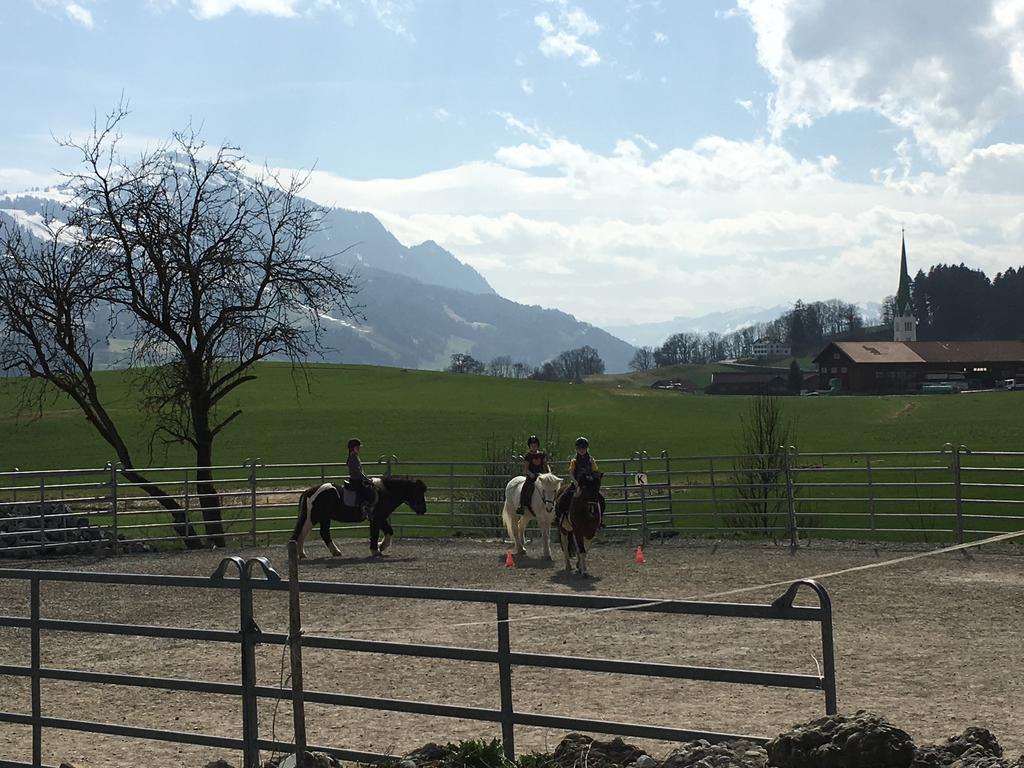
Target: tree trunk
209	499
182	526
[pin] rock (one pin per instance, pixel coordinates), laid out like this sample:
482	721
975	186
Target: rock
703	754
426	755
219	763
645	761
406	763
974	748
838	741
576	750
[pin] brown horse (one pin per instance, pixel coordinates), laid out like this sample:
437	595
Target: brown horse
580	523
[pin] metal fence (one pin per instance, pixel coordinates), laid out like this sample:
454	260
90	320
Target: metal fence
948	495
502	656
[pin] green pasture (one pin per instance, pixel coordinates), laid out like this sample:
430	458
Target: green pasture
432	415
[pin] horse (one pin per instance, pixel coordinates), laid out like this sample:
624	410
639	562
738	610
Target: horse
579	524
322	503
541	507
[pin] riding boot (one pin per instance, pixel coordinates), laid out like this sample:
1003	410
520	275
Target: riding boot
366	510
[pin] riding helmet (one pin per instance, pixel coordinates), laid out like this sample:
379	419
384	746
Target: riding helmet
533	439
355	441
582	442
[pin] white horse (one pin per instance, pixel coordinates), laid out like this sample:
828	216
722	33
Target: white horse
542	506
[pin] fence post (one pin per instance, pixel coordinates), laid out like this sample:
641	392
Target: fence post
42	514
668	485
643	498
295	648
788	459
714	496
870	491
36	662
508	737
113	466
451	498
250	635
252	496
958	492
625	500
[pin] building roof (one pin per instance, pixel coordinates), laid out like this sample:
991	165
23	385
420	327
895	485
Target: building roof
875	351
969	351
896	352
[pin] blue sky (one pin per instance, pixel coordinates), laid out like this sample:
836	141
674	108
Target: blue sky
623	161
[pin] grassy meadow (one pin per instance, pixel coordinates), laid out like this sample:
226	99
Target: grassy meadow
432	415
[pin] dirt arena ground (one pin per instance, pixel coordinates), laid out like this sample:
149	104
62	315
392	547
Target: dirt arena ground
934	645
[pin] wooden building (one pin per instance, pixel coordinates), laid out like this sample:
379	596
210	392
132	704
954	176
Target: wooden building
879	367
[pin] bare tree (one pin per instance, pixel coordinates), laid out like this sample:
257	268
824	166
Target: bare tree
204	268
643	359
500	366
758	470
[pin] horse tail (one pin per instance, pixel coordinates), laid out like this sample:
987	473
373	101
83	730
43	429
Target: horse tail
302	516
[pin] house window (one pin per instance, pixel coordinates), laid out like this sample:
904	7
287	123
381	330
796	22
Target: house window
906	326
878	374
835	370
835	355
843	369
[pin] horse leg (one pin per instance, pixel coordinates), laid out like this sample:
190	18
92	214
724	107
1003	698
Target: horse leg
544	523
524	521
374	534
563	539
388	533
581	559
325	534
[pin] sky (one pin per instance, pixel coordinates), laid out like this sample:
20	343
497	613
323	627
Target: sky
625	161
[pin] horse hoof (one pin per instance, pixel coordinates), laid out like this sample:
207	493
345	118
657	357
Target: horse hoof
375	553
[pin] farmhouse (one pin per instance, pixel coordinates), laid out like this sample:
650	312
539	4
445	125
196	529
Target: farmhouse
746	383
879	367
766	348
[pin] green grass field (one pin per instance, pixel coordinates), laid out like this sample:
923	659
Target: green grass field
431	415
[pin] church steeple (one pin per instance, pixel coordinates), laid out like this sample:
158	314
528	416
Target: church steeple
904	324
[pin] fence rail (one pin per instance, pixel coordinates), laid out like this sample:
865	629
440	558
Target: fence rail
948	495
503	657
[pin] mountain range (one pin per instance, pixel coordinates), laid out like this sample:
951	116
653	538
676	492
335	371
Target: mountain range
419	304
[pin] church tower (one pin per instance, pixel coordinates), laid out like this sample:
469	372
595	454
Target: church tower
904	324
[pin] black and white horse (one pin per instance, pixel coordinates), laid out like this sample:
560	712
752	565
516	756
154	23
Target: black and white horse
321	504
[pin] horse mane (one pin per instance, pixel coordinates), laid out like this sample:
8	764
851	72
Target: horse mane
404	484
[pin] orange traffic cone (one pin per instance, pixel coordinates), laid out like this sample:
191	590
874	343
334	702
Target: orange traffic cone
509	560
640	555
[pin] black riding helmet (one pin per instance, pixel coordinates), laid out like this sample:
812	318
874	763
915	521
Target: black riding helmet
354	442
582	442
532	439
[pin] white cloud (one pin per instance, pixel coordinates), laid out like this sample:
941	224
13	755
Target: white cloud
441	114
527	85
660	37
688	230
945	75
79	14
561	37
394	15
211	9
746	104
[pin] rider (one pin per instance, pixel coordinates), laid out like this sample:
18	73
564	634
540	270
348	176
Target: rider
535	463
581	464
366	494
